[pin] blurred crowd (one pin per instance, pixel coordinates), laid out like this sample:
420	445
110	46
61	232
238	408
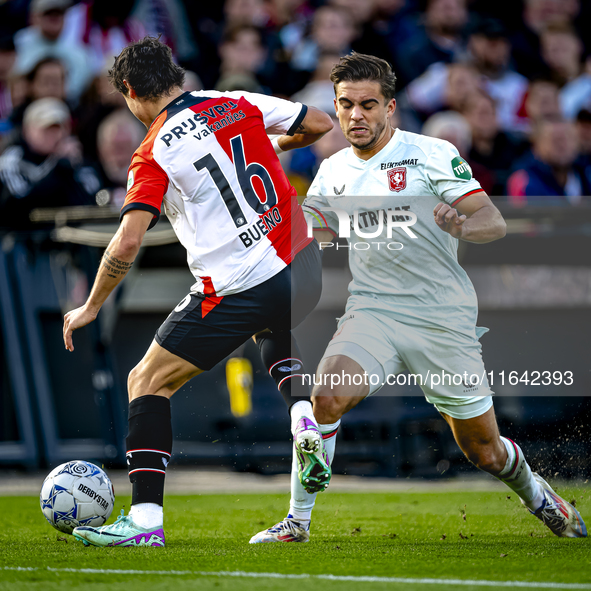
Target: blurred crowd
508	82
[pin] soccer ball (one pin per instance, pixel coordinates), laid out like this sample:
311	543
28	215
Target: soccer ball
77	493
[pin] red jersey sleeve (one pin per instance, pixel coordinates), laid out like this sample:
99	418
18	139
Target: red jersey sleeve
147	183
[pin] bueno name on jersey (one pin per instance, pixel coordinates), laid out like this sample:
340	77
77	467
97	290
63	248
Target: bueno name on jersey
207	159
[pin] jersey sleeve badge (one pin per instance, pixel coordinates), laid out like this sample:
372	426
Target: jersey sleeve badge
461	168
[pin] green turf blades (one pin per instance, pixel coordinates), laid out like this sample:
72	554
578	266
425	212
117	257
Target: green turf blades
394	534
124	532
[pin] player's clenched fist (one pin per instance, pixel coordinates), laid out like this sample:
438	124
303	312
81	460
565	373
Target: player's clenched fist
448	219
76	319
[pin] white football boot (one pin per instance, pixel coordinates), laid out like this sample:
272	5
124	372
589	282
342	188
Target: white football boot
288	530
557	514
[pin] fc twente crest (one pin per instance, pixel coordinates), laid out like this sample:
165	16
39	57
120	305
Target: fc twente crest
397	178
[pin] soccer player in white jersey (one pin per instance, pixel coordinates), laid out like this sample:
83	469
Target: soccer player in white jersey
208	162
409	199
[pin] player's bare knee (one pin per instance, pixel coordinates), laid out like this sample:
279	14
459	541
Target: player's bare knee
142	382
134	380
327	408
486	459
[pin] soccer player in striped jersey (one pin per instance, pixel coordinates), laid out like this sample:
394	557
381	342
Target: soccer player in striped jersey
208	163
405	201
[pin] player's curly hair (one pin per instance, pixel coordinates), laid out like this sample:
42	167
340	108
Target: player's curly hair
356	67
148	67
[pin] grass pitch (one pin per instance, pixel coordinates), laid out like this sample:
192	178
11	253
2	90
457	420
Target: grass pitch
469	536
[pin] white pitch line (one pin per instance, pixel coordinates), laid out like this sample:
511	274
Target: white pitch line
256	575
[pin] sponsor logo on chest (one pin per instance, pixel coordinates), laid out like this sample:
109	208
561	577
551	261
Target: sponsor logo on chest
407	162
211	120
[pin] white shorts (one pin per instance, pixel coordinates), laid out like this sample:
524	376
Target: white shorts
447	365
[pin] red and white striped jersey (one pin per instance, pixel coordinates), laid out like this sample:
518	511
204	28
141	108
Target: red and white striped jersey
208	160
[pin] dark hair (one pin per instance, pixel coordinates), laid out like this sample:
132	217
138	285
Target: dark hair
540	124
560	28
148	68
491	28
7	43
231	33
543	79
356	67
32	73
474	97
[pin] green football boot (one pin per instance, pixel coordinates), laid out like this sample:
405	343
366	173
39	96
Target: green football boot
313	464
124	532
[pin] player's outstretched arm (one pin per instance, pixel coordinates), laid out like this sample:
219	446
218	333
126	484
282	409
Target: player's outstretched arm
115	264
315	124
474	219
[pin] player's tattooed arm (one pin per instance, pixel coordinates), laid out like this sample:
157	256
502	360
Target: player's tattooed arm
315	124
115	267
115	264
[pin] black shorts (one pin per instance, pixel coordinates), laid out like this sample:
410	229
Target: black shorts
204	330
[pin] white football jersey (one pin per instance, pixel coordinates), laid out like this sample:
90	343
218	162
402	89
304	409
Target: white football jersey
207	159
397	253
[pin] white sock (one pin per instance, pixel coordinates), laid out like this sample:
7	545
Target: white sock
300	409
302	503
518	477
147	515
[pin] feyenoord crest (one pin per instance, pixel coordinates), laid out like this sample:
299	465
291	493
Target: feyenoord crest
397	178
